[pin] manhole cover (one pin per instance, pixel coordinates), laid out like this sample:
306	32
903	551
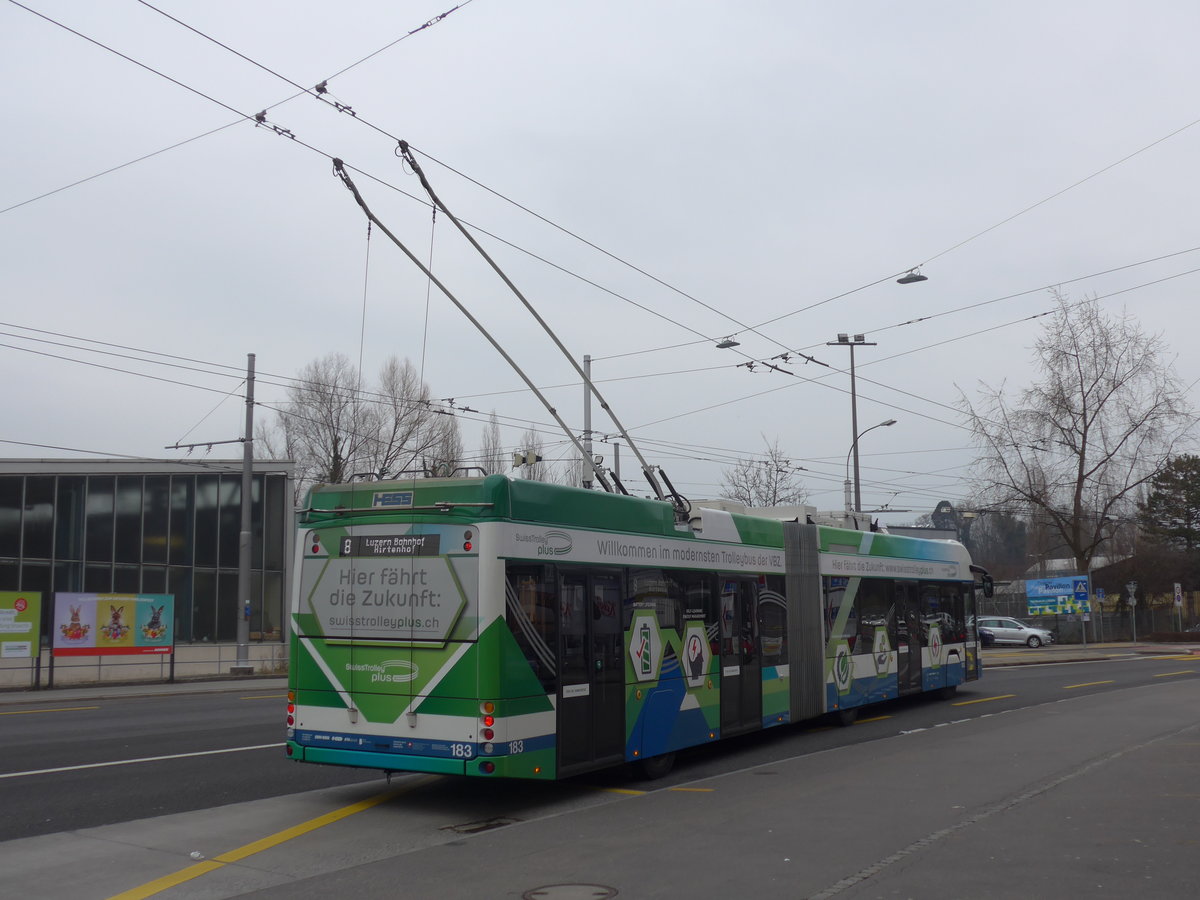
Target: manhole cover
570	892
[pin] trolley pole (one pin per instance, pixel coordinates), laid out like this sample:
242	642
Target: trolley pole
245	542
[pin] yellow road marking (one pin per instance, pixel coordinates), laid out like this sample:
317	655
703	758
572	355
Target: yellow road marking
872	719
1169	674
266	697
623	791
27	712
1071	687
983	700
159	885
693	790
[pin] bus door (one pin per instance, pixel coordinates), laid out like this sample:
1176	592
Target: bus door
908	637
741	662
591	691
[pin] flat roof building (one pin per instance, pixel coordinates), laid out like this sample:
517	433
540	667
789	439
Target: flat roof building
150	527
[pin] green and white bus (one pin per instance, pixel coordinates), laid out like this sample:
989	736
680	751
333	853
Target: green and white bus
510	628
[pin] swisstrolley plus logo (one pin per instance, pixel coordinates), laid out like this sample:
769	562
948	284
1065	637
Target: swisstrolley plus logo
549	543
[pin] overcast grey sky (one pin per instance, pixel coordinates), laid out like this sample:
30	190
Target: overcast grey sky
759	159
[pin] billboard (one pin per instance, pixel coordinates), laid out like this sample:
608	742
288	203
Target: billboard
20	624
1058	596
113	624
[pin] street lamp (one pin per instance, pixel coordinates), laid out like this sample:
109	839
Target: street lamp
843	340
854	451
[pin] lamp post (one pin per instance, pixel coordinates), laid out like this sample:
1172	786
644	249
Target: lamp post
854	451
843	340
912	276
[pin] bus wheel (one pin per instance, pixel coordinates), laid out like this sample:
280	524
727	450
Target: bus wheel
846	717
653	767
948	692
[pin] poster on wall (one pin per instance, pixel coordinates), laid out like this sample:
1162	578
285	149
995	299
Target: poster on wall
20	624
113	624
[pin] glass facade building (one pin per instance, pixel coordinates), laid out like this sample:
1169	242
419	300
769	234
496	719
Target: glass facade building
150	527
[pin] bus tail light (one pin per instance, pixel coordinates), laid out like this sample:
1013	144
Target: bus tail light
486	720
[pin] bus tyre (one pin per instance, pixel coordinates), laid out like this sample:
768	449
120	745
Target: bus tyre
846	717
948	692
654	767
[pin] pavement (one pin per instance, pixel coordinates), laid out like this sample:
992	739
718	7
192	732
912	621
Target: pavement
1012	655
992	658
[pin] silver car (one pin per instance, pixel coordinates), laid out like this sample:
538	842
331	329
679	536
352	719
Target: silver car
1013	631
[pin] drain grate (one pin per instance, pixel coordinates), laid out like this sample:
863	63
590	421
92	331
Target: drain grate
476	827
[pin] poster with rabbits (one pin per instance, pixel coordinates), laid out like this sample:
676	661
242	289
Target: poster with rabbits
103	624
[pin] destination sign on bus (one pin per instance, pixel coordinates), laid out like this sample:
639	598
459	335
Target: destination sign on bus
391	545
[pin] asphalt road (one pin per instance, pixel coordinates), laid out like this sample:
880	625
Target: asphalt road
1081	776
114	759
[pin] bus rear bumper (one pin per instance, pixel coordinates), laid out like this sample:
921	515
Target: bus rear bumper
366	759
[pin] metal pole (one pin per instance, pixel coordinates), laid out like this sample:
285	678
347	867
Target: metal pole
245	542
586	468
854	432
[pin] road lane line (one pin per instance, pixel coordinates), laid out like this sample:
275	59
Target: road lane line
265	697
158	885
1169	674
1071	687
872	719
28	712
129	762
984	700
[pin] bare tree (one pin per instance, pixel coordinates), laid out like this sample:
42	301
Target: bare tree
768	481
1072	450
334	428
492	458
403	425
446	452
319	424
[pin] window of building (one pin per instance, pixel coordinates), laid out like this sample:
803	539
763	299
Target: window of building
69	518
11	490
38	528
99	540
128	509
156	518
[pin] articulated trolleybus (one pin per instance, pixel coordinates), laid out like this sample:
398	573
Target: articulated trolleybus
507	628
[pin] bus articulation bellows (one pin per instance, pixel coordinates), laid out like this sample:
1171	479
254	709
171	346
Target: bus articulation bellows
510	628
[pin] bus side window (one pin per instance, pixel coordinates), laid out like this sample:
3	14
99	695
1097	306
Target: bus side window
532	616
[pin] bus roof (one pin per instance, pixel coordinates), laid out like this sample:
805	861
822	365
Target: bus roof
499	497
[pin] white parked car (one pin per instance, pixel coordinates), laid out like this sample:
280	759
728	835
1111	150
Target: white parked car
1013	631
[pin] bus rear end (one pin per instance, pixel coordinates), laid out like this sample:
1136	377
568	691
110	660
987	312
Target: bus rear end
385	668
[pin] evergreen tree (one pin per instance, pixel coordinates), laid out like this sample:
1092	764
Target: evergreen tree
1170	515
